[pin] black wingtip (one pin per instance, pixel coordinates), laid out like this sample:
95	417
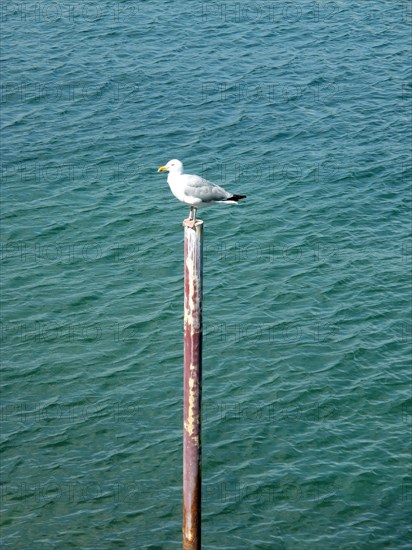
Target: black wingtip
236	198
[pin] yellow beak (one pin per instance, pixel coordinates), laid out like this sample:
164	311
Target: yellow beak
162	169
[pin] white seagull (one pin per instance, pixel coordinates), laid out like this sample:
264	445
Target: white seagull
195	190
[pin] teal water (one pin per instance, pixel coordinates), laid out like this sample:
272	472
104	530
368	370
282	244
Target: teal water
305	107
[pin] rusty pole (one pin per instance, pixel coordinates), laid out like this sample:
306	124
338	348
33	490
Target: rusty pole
192	384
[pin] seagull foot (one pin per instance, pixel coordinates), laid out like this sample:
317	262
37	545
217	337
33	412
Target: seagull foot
189	223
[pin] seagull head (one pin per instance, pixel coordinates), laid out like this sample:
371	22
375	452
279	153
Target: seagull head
174	166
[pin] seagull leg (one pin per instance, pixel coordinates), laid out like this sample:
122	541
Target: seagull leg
190	222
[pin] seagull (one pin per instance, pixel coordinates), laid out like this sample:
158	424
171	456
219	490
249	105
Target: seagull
195	190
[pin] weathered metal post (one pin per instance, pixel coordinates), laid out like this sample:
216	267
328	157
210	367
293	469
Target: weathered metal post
192	448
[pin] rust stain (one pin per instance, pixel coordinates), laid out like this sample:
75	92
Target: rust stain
189	425
192	418
191	515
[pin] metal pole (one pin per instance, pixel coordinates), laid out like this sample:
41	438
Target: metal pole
192	384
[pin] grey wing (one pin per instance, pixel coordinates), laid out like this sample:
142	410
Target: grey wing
204	190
